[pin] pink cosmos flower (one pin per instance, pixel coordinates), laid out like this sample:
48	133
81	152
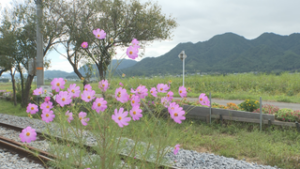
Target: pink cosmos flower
162	88
170	96
32	108
121	95
69	115
27	135
87	87
204	99
135	101
57	84
46	105
140	91
74	91
135	43
63	98
165	101
172	107
99	105
47	115
47	99
38	91
82	118
177	114
153	91
182	91
132	52
99	34
136	113
103	85
88	96
120	117
121	84
84	45
176	149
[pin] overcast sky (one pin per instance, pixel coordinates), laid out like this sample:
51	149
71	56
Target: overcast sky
200	20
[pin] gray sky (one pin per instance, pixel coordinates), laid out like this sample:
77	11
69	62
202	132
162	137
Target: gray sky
200	20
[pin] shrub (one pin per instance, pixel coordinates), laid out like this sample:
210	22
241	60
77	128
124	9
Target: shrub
232	106
268	109
288	115
249	105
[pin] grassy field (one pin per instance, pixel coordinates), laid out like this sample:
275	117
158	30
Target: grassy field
278	146
283	88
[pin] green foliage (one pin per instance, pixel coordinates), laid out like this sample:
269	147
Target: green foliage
249	105
288	115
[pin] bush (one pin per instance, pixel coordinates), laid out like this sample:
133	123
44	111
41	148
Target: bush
249	105
232	106
288	115
268	109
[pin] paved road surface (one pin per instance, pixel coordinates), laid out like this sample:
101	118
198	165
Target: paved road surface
294	106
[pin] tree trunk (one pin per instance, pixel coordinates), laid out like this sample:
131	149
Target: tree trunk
78	74
100	70
25	95
22	82
13	86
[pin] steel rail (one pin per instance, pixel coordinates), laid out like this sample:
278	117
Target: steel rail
34	154
87	147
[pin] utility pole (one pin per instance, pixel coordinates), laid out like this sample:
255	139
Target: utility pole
39	45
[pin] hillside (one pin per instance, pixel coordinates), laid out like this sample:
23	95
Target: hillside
227	53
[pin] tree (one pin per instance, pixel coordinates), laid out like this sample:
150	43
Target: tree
121	21
22	19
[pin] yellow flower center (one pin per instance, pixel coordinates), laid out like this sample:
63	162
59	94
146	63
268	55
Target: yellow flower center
80	118
57	84
103	85
47	115
130	52
63	99
32	108
89	97
168	95
99	104
119	117
72	91
134	112
180	91
151	91
161	89
201	99
133	101
86	89
40	92
47	106
175	114
98	35
27	134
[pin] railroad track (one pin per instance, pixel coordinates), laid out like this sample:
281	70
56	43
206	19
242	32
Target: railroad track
43	157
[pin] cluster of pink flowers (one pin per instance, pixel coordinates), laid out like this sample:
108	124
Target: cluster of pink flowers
203	99
120	116
132	51
99	34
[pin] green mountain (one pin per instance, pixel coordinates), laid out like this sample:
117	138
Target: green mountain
227	53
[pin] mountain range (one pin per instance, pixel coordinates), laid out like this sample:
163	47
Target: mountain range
225	53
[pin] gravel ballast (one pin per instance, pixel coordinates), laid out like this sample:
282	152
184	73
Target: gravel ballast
184	159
